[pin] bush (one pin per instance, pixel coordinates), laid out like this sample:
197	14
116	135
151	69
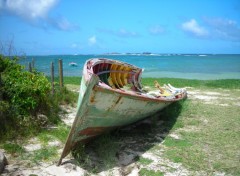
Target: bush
23	95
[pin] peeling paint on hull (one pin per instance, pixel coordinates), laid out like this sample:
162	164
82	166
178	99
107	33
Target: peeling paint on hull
104	104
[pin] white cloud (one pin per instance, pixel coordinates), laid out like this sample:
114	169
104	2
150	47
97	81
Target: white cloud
64	24
92	40
218	29
125	33
1	4
28	9
156	30
193	27
35	12
225	29
120	33
61	23
74	45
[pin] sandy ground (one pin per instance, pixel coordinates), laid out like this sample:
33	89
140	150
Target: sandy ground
126	160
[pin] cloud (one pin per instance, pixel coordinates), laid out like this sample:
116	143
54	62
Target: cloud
125	33
155	30
74	45
1	4
218	29
193	28
35	12
28	9
225	29
92	40
120	33
61	23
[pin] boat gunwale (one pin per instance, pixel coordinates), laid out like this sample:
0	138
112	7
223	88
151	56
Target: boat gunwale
138	95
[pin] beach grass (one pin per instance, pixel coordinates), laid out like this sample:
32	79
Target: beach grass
146	172
221	83
74	80
207	130
207	138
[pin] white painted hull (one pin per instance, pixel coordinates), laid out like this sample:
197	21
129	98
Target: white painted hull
103	107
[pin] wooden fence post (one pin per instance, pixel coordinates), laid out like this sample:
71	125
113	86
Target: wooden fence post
29	66
1	87
1	98
33	63
60	73
52	76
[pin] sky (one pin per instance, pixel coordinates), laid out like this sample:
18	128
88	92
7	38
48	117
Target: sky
50	27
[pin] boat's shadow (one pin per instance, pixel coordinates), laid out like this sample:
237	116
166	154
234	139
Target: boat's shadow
125	146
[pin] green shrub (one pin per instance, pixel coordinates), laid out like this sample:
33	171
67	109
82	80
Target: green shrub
26	101
23	95
26	91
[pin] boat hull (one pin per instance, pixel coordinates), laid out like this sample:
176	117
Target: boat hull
101	108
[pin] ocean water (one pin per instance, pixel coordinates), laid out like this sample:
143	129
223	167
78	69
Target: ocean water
189	66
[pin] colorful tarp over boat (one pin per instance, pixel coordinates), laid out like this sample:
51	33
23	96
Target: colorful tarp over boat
111	96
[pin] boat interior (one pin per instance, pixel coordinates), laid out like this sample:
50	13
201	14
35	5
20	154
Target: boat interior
127	77
119	76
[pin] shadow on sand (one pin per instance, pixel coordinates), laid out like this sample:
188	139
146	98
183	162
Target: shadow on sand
125	146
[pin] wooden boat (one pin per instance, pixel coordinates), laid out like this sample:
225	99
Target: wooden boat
111	96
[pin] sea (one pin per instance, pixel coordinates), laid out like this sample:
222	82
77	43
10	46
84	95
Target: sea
187	66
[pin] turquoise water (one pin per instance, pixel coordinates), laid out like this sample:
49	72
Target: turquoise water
202	67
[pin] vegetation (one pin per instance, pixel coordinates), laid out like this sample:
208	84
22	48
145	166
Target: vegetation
208	136
145	161
176	82
104	147
146	172
72	80
26	91
13	148
26	100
